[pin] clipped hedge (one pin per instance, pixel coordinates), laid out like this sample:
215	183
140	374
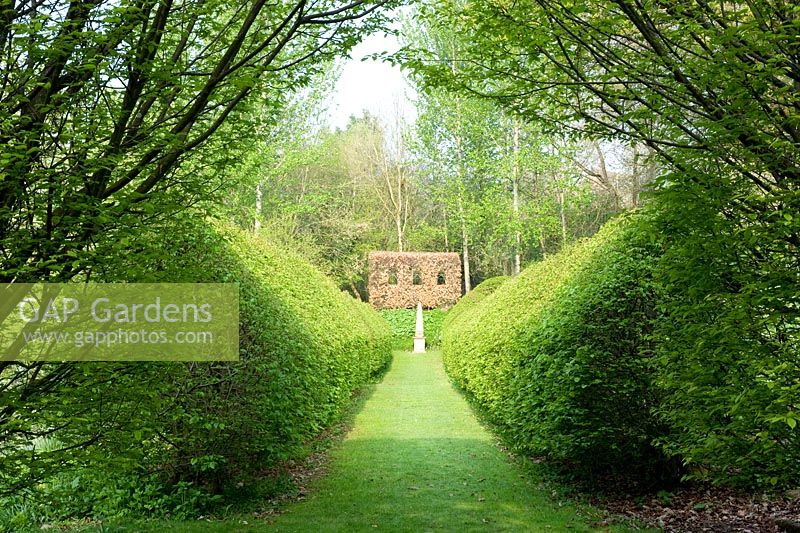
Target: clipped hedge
560	357
730	349
304	347
474	298
180	432
643	353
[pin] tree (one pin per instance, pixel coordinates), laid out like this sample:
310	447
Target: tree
116	116
488	150
279	148
101	103
334	195
452	150
711	89
381	164
707	87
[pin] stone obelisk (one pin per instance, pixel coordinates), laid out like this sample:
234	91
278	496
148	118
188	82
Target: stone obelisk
419	332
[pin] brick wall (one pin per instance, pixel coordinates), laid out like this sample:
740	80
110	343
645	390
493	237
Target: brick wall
391	279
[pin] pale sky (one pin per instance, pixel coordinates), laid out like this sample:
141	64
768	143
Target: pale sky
375	86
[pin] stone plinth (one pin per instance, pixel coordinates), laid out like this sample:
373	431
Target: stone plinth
419	332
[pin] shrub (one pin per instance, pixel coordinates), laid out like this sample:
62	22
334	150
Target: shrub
474	298
729	351
304	347
561	357
664	339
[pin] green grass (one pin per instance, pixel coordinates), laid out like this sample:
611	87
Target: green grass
403	325
416	460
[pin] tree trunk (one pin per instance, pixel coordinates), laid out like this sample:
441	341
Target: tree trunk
399	224
446	232
464	244
460	184
635	177
465	252
563	215
605	178
515	193
259	202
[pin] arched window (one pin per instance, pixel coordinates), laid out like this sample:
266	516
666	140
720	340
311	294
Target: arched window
393	277
417	279
440	278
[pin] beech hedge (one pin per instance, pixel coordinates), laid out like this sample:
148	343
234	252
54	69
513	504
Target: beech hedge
304	347
164	437
473	298
641	355
561	358
730	344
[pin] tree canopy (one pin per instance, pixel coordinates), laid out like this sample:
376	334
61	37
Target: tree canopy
102	105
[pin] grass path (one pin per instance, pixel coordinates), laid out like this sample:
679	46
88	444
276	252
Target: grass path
418	460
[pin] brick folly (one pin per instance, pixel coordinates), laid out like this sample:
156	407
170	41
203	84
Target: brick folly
398	280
